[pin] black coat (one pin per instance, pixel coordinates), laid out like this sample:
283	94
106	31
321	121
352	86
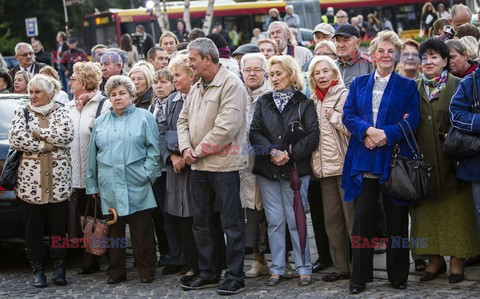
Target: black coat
269	128
148	43
145	100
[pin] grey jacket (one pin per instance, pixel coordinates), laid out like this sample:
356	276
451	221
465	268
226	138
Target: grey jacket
359	65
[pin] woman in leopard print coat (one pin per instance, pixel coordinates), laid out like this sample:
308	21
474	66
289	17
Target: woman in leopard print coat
43	134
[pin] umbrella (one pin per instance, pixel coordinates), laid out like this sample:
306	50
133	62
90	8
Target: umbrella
300	218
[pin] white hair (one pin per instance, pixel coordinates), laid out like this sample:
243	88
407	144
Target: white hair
48	84
119	80
20	45
251	56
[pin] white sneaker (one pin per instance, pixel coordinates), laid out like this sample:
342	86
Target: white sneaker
256	270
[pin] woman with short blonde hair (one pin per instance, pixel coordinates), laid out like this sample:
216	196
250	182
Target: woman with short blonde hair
291	67
169	41
387	36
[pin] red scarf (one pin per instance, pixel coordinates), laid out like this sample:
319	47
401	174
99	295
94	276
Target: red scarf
321	94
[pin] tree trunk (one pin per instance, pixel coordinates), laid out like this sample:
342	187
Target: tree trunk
186	16
162	16
207	25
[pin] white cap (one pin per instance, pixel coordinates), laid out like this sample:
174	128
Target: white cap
324	28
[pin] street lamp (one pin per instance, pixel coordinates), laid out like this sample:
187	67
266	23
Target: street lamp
150	4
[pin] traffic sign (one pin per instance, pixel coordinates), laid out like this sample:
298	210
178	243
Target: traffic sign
73	2
31	26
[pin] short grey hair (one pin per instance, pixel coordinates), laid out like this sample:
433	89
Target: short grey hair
285	28
22	44
251	56
205	46
326	43
470	44
119	80
456	45
45	83
458	7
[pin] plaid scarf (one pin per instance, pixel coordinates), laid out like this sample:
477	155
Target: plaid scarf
438	83
281	97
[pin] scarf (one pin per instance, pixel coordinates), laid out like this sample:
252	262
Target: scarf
224	52
43	110
160	108
438	83
281	97
321	94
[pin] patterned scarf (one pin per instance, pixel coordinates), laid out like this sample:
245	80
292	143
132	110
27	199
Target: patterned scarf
438	83
281	97
160	109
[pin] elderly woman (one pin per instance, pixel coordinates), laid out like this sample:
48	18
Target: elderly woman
268	47
61	96
123	163
169	41
163	87
326	48
178	203
141	77
43	133
376	105
446	217
409	65
460	64
327	161
87	104
254	72
276	111
20	82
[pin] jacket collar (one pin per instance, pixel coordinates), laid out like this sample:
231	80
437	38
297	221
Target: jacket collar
127	111
219	78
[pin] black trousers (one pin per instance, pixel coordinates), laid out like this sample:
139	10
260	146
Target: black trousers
46	219
211	192
318	222
398	262
159	188
181	243
143	245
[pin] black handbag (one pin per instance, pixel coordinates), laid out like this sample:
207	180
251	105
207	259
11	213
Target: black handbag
8	178
461	145
409	178
295	130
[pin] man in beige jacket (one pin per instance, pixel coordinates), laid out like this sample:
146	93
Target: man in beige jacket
211	130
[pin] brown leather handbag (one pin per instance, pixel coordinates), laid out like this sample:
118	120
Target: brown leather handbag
95	231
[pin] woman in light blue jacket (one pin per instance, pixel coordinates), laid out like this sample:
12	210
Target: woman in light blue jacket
123	163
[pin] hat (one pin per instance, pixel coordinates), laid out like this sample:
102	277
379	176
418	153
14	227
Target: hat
72	40
324	28
246	49
347	30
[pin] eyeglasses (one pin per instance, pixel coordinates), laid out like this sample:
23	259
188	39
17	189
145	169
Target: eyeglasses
256	70
26	54
326	54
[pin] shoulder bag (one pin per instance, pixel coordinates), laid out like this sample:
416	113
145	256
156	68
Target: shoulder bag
461	145
8	178
409	178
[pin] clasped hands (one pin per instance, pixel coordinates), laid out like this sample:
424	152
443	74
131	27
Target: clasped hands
279	157
374	138
178	163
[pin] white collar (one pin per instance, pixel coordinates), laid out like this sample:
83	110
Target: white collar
377	75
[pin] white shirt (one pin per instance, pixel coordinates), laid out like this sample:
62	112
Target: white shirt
377	93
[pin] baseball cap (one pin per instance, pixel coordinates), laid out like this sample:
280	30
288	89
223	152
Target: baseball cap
347	30
72	40
324	28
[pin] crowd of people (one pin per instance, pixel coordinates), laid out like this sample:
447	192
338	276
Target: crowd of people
205	152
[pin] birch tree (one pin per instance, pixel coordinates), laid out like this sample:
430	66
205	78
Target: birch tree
207	24
186	16
162	16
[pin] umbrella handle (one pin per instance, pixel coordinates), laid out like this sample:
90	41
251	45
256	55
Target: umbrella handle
115	216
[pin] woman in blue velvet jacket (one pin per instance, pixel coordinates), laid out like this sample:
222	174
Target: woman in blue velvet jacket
375	105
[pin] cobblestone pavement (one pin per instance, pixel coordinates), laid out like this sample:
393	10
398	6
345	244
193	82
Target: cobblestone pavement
16	282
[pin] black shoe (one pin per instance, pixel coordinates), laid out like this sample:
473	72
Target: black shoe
319	266
334	276
111	280
146	279
163	261
59	272
39	278
400	286
201	282
357	288
272	281
472	261
455	278
186	279
420	265
84	270
171	269
231	286
427	276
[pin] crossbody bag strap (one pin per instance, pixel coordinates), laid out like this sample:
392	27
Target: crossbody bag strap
336	102
415	150
475	95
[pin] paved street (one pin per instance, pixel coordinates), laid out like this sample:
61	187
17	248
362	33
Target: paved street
16	282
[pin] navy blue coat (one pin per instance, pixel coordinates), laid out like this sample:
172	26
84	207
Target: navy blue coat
465	120
400	100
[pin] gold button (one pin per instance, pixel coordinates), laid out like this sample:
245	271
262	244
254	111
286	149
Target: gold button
43	117
429	117
46	155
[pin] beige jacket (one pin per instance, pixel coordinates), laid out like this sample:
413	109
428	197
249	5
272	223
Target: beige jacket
213	122
328	158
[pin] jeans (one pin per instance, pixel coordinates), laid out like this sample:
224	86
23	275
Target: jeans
476	202
211	191
277	199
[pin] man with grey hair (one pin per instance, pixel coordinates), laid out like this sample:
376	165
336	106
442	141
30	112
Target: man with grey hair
461	14
211	132
26	61
342	18
280	33
111	64
97	52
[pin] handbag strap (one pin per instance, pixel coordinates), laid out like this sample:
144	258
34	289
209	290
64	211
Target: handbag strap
336	102
94	215
415	150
